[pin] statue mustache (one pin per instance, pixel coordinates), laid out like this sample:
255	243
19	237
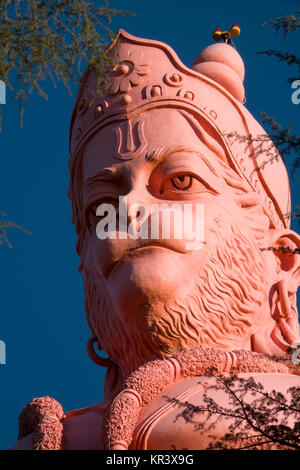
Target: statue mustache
110	252
165	233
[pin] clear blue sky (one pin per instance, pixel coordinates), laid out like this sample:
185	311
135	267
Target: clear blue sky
42	319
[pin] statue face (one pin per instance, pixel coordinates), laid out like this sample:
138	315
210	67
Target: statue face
150	269
150	297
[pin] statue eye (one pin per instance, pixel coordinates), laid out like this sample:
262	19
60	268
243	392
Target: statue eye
91	218
184	185
182	182
107	200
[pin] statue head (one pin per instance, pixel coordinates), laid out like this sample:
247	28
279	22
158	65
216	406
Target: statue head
177	147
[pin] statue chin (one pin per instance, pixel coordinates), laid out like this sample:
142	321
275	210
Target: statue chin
149	275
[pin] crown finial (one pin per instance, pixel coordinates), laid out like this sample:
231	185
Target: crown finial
223	64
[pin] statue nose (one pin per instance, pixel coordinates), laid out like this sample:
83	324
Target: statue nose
134	212
137	203
137	214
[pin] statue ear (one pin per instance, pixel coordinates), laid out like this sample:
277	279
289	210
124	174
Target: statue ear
286	249
284	328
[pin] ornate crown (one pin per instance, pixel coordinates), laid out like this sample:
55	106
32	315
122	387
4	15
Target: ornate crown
148	74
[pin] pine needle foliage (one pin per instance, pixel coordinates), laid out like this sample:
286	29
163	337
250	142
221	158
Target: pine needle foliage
286	141
288	23
4	225
257	419
51	40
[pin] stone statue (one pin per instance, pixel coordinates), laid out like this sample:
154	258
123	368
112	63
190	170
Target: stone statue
169	313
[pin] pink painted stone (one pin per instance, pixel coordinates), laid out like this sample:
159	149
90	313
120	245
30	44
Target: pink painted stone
167	310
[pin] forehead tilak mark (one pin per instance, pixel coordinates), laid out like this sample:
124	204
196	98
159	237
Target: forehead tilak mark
130	140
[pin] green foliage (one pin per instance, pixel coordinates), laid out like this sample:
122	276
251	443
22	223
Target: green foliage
4	224
288	23
289	59
286	142
51	39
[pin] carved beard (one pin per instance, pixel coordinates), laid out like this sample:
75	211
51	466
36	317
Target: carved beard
227	302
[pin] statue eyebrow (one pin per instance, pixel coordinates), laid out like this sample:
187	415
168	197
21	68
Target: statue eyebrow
159	154
107	174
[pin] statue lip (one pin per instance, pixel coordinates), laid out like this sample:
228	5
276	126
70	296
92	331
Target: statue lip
133	250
